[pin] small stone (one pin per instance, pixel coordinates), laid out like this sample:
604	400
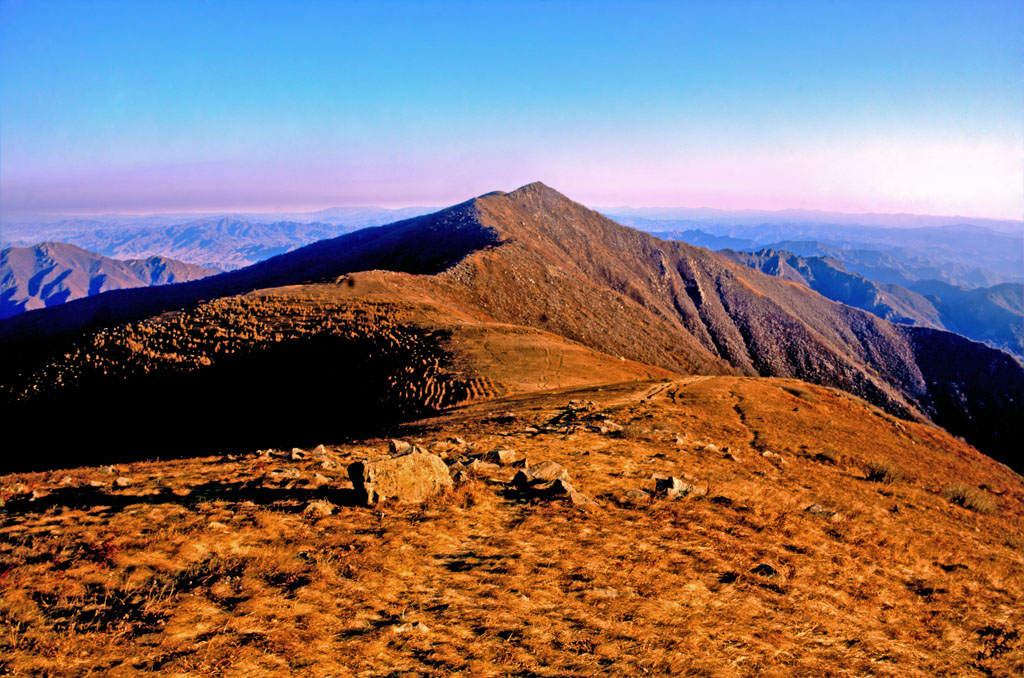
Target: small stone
545	471
123	482
97	483
819	510
531	430
320	479
217	525
507	457
319	508
297	454
764	570
672	487
455	440
396	446
328	465
636	498
711	447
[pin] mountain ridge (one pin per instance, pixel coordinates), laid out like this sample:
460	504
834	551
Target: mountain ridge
53	273
535	259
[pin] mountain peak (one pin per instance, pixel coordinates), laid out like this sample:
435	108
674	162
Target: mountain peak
536	189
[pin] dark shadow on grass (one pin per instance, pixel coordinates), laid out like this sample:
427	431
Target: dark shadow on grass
86	498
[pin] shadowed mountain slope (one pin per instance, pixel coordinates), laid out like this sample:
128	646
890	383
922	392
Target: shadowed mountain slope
531	259
53	273
993	315
829	278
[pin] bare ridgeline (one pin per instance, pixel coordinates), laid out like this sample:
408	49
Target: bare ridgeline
509	438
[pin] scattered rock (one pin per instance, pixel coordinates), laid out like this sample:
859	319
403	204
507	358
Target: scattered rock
711	447
549	480
636	498
123	482
319	508
216	525
282	474
606	426
399	446
455	440
320	479
530	430
671	487
507	457
819	510
409	478
97	484
764	570
297	454
328	465
545	471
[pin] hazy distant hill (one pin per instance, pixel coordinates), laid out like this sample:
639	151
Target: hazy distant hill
965	255
991	314
223	241
426	312
53	273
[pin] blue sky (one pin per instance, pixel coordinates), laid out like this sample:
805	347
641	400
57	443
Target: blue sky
859	106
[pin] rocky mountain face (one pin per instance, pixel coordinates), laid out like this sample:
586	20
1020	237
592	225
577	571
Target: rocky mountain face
53	273
526	282
992	315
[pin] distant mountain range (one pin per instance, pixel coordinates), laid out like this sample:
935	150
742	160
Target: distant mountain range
994	315
54	273
501	294
221	241
965	255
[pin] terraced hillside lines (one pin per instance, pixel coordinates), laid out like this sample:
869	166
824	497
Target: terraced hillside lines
805	563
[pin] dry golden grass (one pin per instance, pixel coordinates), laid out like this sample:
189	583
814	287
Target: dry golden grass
209	567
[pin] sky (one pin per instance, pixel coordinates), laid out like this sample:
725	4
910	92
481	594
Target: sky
198	106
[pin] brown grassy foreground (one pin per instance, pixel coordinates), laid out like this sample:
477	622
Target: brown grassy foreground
212	566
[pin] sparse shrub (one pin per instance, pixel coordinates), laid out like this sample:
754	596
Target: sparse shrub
884	472
970	498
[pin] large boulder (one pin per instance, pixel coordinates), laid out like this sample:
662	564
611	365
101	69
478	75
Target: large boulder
408	478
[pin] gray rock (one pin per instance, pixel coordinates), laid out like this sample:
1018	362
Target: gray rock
543	472
636	497
399	446
507	457
819	510
408	479
671	487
